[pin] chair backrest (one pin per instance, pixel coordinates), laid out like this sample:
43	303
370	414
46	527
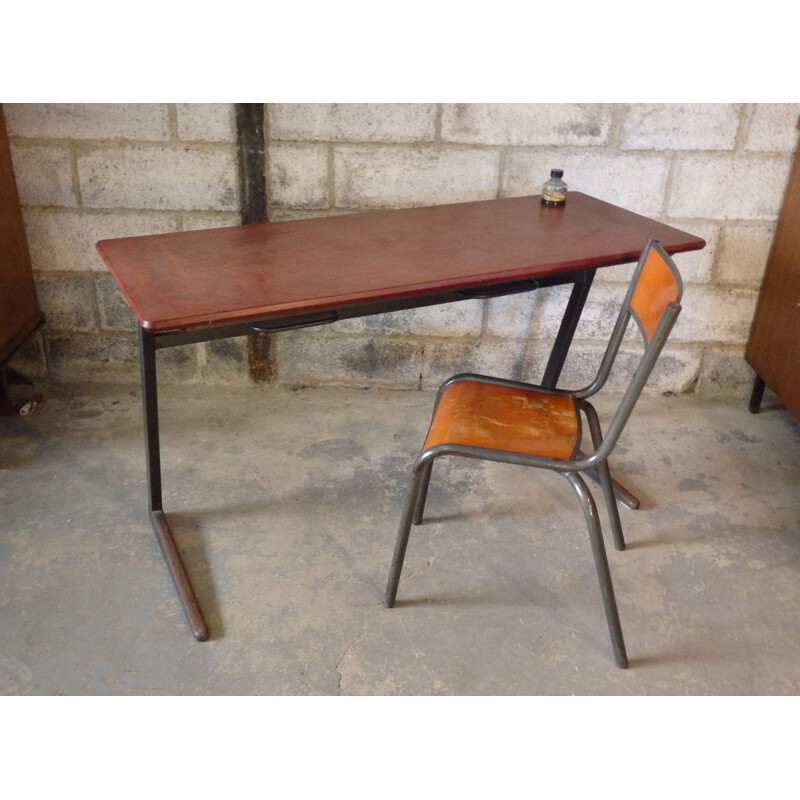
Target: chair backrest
655	285
654	301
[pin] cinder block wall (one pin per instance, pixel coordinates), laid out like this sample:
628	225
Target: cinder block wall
88	172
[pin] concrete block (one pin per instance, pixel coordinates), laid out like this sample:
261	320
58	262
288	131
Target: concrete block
743	252
206	122
636	182
115	313
67	301
680	126
100	121
698	265
523	124
508	317
44	174
725	373
616	274
675	372
453	319
397	176
202	220
178	365
511	316
536	314
352	122
64	240
226	361
441	359
728	187
29	358
113	357
444	321
773	127
305	359
715	314
599	314
164	178
105	358
298	176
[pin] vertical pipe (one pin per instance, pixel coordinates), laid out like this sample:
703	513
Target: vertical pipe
252	162
250	137
572	315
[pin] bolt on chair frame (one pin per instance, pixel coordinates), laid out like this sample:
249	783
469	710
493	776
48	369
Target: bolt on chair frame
653	301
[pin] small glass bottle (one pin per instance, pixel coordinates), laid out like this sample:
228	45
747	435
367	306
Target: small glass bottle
554	191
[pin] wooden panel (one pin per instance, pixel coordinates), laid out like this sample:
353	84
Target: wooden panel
197	278
19	307
773	349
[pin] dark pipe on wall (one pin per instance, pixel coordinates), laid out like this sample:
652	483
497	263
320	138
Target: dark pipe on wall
250	135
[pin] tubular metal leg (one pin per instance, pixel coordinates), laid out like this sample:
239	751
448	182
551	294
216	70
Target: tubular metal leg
422	495
611	506
625	496
572	315
402	537
601	564
169	550
605	479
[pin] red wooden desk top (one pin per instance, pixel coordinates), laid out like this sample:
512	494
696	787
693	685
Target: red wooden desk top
197	278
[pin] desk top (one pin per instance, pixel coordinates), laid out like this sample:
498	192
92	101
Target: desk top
207	277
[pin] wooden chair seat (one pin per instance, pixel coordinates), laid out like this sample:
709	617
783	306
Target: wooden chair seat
507	418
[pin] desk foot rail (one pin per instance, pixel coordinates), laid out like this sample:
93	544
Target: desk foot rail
179	576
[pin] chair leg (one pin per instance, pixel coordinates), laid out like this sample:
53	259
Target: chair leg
611	506
601	565
422	494
412	502
606	483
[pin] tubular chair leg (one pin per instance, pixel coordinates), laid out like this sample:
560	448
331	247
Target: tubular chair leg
606	483
611	506
422	494
412	502
601	564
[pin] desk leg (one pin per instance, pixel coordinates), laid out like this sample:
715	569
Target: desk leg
558	355
147	355
572	315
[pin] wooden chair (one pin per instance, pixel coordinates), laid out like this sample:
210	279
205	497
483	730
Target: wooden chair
477	416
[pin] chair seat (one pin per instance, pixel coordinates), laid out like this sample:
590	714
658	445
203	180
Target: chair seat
479	414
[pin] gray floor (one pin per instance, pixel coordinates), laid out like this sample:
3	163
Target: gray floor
286	503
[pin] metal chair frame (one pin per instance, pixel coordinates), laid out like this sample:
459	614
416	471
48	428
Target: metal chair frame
571	468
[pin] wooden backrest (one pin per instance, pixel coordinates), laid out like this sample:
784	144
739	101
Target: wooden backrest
657	285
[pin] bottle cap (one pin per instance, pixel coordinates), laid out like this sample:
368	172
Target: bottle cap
556	173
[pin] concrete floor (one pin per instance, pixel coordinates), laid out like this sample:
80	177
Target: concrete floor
285	504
